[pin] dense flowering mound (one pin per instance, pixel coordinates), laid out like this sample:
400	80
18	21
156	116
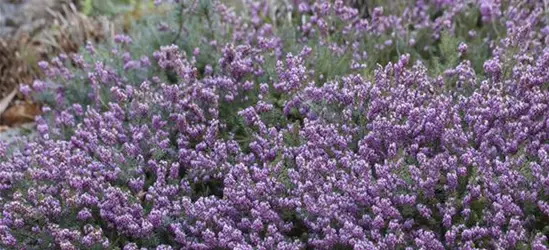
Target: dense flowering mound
275	129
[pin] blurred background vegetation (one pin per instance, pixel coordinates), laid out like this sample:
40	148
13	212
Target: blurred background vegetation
36	30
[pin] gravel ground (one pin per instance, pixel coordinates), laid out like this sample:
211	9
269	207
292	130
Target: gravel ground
24	15
8	19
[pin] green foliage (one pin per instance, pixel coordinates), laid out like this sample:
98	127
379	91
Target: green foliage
447	53
108	7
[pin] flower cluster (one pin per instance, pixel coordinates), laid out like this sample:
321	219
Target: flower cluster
294	140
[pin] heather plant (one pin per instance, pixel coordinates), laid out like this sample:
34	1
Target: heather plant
292	125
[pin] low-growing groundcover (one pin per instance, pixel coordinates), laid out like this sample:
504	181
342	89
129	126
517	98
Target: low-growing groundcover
293	125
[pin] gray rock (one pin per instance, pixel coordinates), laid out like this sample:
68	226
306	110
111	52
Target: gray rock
12	134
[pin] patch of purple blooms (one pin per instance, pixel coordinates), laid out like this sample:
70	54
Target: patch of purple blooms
243	154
